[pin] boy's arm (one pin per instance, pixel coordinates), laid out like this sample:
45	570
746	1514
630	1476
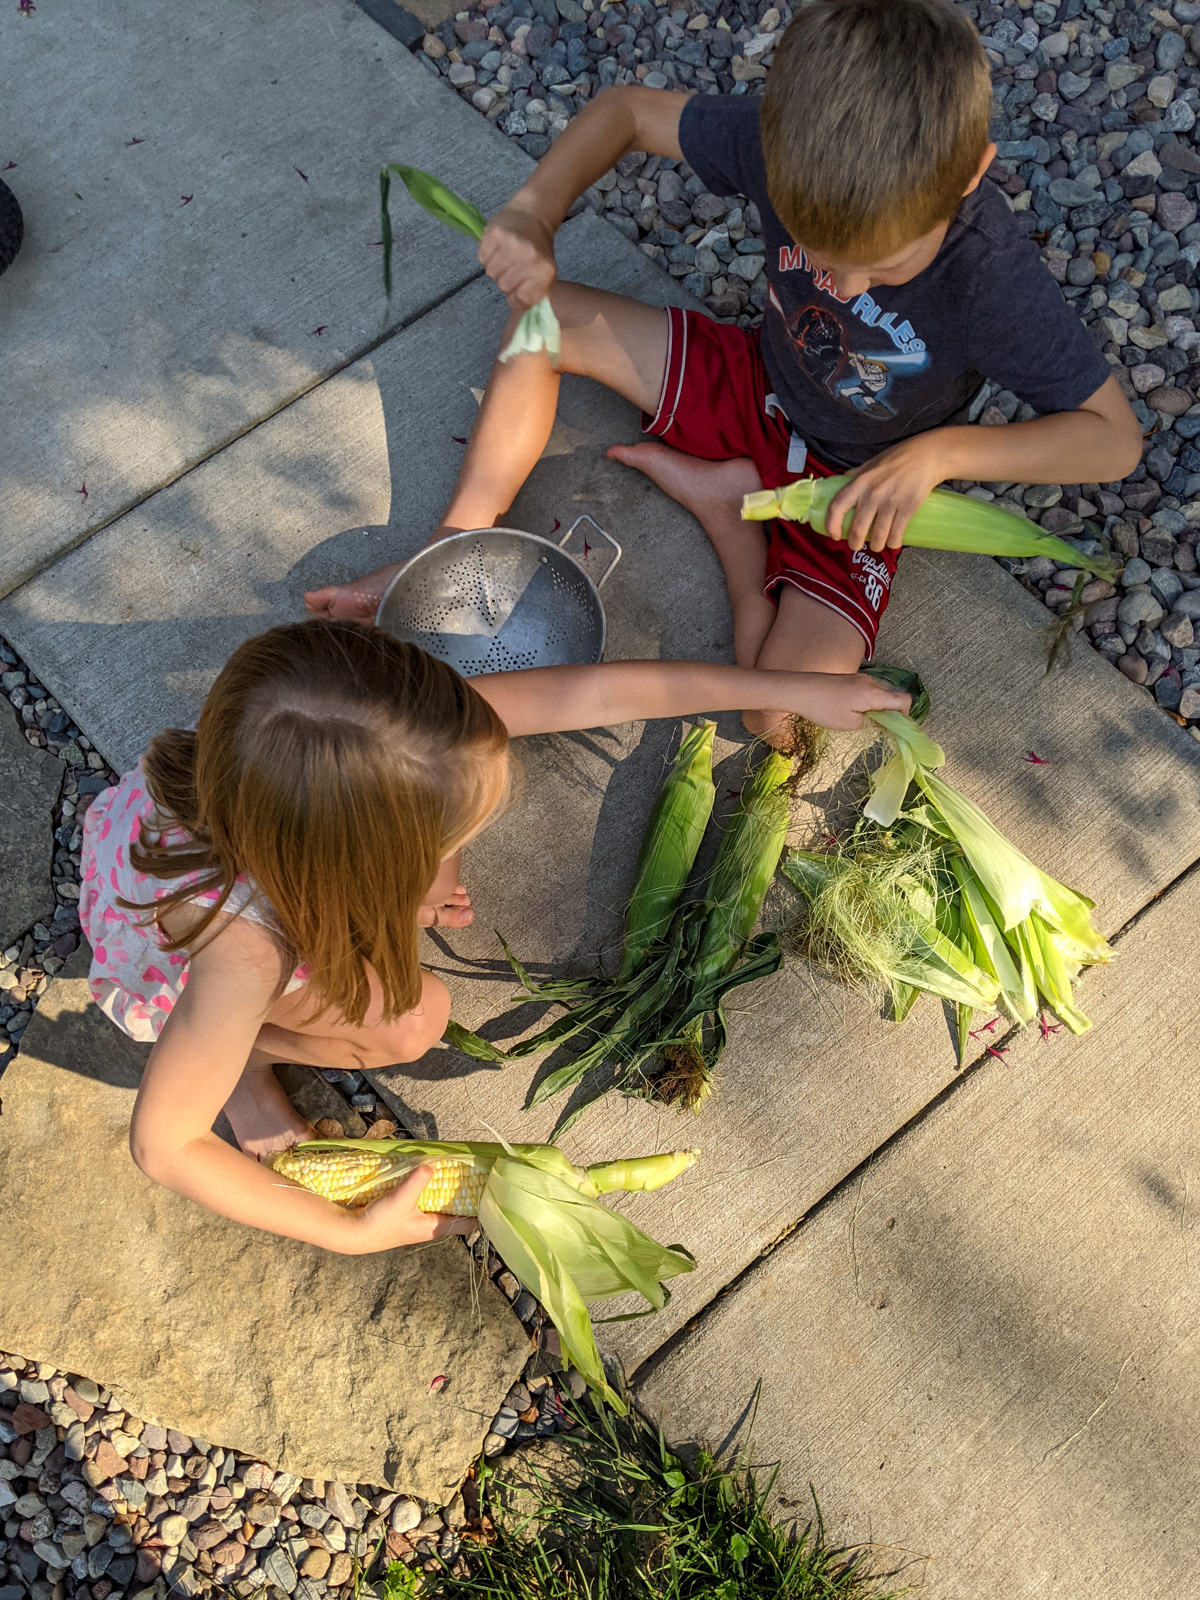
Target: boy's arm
560	699
518	248
1099	442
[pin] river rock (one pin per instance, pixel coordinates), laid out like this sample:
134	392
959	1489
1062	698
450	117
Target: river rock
30	780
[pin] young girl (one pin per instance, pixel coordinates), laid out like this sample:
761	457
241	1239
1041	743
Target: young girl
252	891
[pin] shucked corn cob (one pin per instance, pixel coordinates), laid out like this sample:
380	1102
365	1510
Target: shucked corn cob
354	1178
354	1172
538	1209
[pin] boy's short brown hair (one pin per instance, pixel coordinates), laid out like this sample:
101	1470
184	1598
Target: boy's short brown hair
873	121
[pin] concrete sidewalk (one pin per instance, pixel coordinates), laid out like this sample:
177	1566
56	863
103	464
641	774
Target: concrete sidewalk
242	458
981	1352
202	222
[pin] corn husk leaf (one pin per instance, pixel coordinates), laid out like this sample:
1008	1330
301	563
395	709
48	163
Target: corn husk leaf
681	812
538	330
568	1250
905	679
1009	879
538	333
945	521
890	782
1017	991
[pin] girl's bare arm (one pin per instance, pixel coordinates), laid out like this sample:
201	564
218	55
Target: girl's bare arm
192	1071
558	699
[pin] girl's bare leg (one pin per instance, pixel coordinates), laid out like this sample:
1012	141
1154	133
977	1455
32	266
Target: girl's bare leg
619	342
261	1115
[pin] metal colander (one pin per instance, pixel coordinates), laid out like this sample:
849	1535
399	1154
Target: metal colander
499	600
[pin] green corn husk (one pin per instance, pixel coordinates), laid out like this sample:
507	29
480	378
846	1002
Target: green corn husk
871	918
890	782
669	848
931	895
538	331
747	858
660	1023
541	1214
946	521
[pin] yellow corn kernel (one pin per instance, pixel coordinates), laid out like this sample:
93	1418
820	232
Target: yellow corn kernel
354	1178
455	1189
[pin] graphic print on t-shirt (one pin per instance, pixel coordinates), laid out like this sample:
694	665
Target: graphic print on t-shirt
850	362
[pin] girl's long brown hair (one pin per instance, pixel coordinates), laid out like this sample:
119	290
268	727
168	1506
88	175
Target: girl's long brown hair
334	767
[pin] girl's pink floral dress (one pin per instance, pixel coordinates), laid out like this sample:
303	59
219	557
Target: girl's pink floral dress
133	979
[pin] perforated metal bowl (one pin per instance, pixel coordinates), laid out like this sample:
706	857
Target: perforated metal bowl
499	600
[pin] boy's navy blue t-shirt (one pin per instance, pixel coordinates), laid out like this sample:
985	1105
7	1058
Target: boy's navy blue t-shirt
856	375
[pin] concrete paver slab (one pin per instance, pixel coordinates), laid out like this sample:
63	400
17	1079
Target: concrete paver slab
983	1355
316	1362
29	784
201	208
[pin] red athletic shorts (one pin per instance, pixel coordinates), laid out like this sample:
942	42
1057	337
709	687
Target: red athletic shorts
716	403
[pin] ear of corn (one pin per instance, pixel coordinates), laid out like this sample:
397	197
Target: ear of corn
660	1023
746	861
537	1208
1005	930
668	854
538	330
946	521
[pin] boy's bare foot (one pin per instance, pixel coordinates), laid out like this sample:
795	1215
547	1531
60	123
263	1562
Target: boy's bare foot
262	1117
705	488
453	912
352	602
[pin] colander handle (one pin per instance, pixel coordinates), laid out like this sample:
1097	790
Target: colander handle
562	544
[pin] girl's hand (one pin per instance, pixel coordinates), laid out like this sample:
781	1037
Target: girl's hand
840	700
517	251
394	1220
882	495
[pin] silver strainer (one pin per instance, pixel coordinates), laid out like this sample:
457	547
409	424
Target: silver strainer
499	600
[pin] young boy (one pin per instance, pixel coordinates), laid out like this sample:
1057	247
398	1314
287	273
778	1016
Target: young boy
898	279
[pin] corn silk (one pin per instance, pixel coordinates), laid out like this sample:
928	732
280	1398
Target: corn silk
926	894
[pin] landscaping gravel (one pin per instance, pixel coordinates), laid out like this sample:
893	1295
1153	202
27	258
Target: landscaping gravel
1094	116
98	1504
27	966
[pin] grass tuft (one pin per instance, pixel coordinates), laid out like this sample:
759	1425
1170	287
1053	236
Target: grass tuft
630	1522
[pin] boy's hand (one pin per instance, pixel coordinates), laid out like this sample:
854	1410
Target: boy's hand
393	1219
883	494
840	700
517	250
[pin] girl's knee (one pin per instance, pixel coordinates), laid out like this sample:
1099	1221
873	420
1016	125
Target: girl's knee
410	1036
